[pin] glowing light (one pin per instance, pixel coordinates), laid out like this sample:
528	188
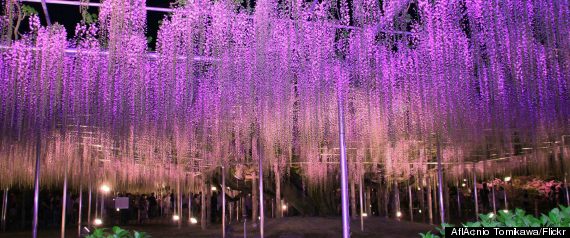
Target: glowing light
97	222
419	188
506	211
193	221
491	215
420	211
463	185
105	188
284	207
364	214
118	209
214	188
175	218
398	214
507	179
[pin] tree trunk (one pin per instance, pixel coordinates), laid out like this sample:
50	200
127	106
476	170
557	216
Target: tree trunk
254	200
278	210
368	207
203	218
387	200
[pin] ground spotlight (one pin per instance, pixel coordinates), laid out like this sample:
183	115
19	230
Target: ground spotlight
97	222
105	188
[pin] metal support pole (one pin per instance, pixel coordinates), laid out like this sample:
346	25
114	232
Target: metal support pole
440	183
506	203
224	202
567	193
244	225
343	170
89	201
475	192
91	4
411	203
96	204
46	13
458	200
4	208
261	207
429	200
494	201
179	203
64	201
36	189
79	213
102	205
361	206
189	207
203	221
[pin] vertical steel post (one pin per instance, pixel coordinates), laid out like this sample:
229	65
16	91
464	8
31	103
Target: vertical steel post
46	13
261	207
4	208
475	192
494	201
224	202
189	207
440	182
96	204
102	205
89	201
458	200
179	202
64	201
343	169
429	200
411	203
361	206
244	226
565	186
79	211
36	188
506	203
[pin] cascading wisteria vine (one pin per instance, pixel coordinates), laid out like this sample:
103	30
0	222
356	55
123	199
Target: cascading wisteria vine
228	87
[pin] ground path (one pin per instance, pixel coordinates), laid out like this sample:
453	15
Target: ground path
290	227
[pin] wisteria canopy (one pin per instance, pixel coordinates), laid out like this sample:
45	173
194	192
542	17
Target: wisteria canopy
228	85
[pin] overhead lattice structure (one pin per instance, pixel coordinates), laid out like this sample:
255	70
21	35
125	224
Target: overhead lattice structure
232	85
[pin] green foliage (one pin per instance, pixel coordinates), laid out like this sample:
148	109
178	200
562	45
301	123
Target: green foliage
116	232
28	10
89	18
557	217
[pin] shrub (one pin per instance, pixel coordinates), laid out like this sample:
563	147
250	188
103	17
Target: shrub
557	217
116	232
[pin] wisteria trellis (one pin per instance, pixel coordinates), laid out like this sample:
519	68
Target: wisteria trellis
227	86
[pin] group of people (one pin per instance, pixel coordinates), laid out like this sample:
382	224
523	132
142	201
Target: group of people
145	207
141	208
